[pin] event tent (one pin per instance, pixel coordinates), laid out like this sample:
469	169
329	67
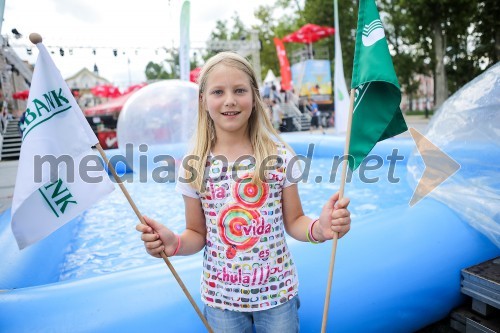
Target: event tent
108	108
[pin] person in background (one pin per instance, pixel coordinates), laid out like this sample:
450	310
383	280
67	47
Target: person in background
277	113
315	117
274	93
21	122
3	116
267	90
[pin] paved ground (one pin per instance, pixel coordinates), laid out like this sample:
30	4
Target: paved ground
417	122
8	169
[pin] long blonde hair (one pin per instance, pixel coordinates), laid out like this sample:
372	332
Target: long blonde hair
261	132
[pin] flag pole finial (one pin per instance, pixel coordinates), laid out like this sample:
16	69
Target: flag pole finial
35	38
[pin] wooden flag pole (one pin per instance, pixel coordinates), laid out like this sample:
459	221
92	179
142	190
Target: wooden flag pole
163	254
341	195
35	38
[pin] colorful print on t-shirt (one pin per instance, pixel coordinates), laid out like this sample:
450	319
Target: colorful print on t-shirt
247	265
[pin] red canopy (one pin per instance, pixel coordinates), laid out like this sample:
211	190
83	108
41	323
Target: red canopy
21	94
109	107
106	90
134	87
193	75
115	104
309	33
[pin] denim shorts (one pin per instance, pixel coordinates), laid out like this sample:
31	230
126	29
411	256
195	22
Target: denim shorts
282	318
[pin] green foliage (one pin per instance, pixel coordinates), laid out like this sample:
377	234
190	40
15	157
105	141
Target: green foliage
169	68
155	71
487	31
238	31
408	61
470	30
348	20
273	23
268	29
219	33
468	27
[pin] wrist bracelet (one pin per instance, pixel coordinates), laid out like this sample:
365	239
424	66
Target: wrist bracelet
178	245
309	235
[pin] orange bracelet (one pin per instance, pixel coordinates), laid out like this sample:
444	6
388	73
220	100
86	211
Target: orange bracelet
178	245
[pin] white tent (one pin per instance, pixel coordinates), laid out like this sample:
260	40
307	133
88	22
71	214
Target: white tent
270	77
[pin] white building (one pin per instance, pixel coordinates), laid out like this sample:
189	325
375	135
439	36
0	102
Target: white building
82	82
423	98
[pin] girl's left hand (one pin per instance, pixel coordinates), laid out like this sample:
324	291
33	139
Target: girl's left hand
335	217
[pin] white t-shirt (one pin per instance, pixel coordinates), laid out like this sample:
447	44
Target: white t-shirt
246	263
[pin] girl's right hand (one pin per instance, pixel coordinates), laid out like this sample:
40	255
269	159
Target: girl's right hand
157	238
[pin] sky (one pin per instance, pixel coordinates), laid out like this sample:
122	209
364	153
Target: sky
140	29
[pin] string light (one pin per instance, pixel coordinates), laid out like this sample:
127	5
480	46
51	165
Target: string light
94	49
16	33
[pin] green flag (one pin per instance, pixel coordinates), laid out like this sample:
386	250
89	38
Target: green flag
377	115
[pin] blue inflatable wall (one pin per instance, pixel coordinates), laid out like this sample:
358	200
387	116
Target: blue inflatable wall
396	271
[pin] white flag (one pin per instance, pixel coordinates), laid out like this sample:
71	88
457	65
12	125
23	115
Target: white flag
340	88
59	176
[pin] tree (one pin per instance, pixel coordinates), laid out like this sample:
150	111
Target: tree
408	61
155	71
222	32
487	32
436	33
169	68
239	31
313	11
268	29
219	33
320	12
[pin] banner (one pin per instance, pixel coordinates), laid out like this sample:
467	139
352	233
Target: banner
340	88
184	48
286	76
58	175
377	115
312	78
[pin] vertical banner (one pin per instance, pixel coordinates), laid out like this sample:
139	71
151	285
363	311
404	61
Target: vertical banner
340	88
2	9
286	76
184	48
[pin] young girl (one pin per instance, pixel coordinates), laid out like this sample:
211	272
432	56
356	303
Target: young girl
240	198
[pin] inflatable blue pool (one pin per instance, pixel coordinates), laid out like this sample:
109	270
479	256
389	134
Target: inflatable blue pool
398	269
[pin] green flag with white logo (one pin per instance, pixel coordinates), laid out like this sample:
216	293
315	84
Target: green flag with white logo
377	115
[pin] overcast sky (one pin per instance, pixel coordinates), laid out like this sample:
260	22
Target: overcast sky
140	28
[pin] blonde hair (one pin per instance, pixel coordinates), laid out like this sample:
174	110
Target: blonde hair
260	129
